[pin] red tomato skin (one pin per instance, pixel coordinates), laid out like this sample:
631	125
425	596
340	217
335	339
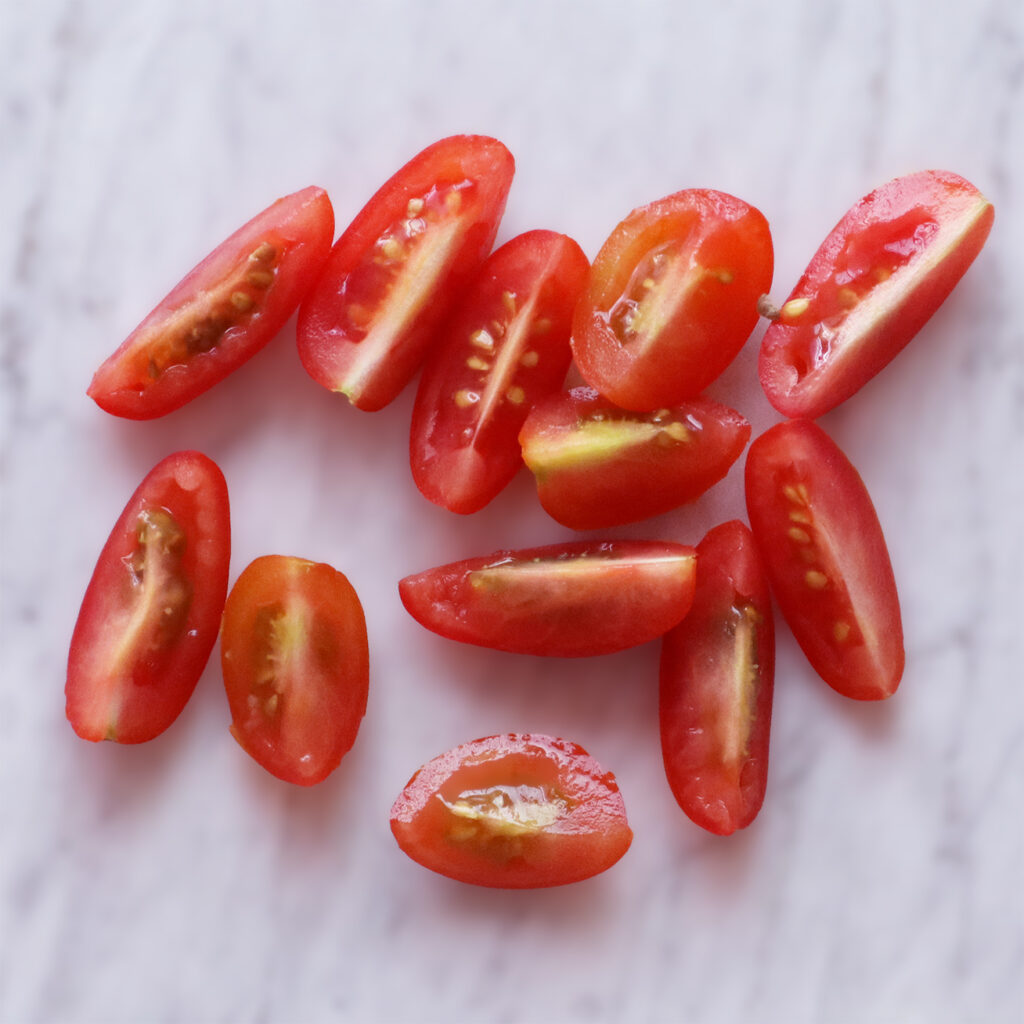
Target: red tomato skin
717	678
320	688
329	339
727	248
588	836
135	697
480	382
300	228
820	538
641	589
813	360
637	481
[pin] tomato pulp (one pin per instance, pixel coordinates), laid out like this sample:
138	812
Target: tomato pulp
150	613
518	811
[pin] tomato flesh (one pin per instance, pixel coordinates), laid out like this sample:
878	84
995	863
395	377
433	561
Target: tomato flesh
598	466
296	666
150	613
672	298
220	315
506	346
717	675
563	600
392	277
872	285
826	557
518	811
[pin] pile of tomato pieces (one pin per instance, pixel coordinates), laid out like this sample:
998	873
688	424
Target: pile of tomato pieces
669	301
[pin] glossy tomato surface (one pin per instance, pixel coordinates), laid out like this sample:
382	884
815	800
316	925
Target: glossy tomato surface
222	313
151	611
296	666
826	557
717	675
565	600
393	276
598	466
518	811
506	346
881	273
672	298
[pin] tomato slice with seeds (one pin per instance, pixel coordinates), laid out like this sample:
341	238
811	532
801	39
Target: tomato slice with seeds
826	558
672	298
393	275
506	346
563	600
222	313
598	466
520	811
871	286
296	666
717	676
150	613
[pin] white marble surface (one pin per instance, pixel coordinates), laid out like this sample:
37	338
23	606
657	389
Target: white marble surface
177	881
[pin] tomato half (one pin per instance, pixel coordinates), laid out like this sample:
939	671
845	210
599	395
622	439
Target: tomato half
672	298
150	613
296	666
881	273
598	466
826	557
717	675
222	313
393	275
506	346
518	811
565	600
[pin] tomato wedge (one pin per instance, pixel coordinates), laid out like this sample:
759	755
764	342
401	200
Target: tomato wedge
520	811
826	558
717	675
393	275
881	273
565	600
597	466
296	666
222	313
672	298
506	346
150	613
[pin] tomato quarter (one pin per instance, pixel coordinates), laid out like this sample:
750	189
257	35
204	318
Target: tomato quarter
150	613
513	812
826	558
717	674
506	346
672	298
393	275
881	273
598	466
222	313
296	666
566	600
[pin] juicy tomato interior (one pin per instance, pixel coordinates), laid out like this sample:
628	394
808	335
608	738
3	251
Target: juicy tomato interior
566	600
515	811
672	298
717	674
506	346
222	313
149	617
296	667
874	282
393	275
826	557
597	465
